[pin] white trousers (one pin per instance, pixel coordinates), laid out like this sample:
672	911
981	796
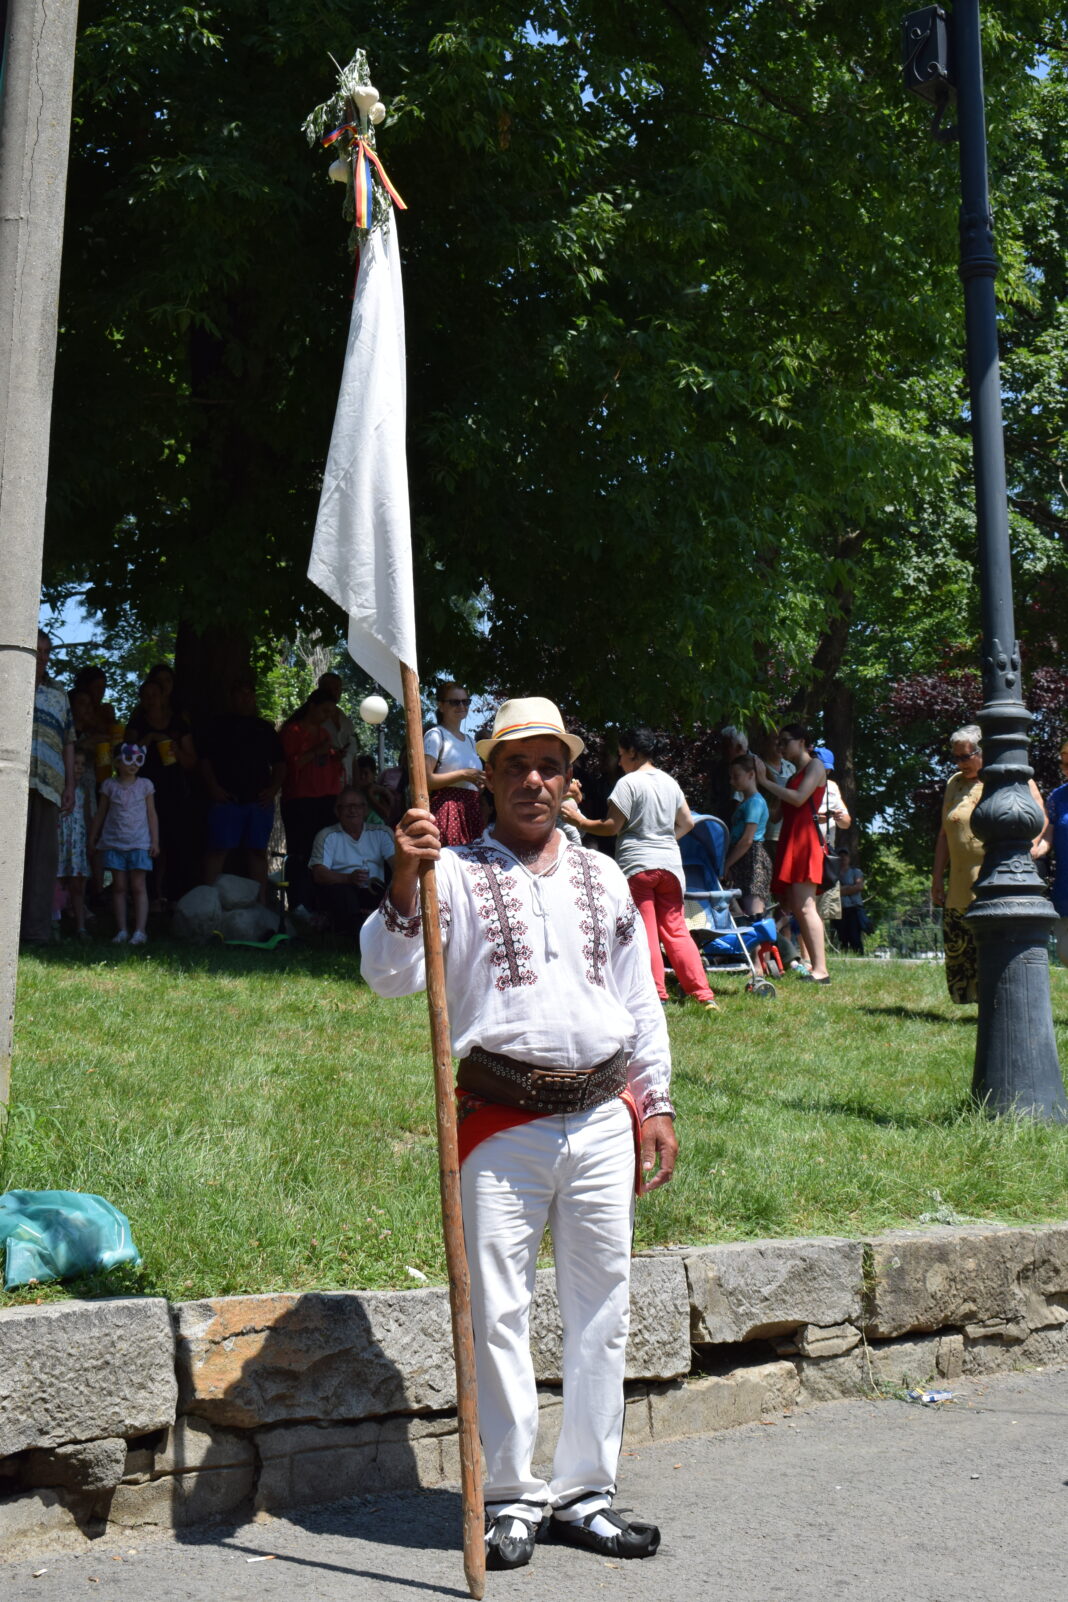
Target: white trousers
576	1173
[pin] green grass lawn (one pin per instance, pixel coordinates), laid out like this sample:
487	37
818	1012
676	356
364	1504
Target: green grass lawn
267	1123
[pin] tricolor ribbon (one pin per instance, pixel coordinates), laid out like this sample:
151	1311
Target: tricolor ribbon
362	158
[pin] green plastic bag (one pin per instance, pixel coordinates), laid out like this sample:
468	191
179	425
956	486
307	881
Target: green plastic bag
61	1234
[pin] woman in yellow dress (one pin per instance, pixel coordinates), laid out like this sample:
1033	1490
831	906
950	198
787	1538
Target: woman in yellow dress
962	852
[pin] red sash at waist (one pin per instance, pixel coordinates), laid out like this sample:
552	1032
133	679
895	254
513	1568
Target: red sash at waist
477	1120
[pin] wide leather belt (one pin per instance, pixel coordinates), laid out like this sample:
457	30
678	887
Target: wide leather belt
541	1090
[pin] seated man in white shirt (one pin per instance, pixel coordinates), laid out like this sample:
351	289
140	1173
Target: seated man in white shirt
563	1079
350	864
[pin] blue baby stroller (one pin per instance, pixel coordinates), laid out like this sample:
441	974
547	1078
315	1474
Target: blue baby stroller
725	945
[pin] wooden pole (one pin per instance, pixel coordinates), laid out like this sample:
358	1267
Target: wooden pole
463	1340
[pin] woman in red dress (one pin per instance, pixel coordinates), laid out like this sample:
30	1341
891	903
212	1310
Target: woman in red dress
799	857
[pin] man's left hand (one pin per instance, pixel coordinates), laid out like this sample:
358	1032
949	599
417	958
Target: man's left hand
67	803
659	1147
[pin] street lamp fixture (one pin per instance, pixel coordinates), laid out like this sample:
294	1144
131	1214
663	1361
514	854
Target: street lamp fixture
1016	1066
374	709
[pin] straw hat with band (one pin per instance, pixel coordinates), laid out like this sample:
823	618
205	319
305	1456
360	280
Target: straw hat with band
526	720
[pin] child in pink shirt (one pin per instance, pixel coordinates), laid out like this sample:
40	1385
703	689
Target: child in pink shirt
126	829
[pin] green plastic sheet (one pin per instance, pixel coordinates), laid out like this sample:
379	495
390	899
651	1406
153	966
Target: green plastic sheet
61	1234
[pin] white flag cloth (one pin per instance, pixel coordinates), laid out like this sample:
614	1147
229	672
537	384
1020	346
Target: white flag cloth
362	550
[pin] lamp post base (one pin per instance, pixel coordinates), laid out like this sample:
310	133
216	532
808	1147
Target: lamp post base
1016	1068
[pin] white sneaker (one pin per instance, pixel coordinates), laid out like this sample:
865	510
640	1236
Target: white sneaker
120	939
139	938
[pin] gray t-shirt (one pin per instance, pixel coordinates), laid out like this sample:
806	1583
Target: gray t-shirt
649	802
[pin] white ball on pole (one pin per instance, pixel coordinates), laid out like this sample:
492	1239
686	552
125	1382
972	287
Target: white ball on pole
374	709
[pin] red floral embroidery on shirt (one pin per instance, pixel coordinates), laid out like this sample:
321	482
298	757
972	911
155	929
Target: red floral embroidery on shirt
590	902
654	1103
408	927
499	908
625	925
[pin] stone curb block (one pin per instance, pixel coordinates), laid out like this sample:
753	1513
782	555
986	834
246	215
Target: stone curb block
966	1277
89	1394
722	1402
753	1290
84	1371
247	1361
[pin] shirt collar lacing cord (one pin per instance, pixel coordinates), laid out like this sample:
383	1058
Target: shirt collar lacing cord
537	893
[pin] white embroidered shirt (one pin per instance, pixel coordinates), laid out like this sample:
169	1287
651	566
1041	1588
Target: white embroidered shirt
551	968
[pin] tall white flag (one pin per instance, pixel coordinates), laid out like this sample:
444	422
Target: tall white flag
362	550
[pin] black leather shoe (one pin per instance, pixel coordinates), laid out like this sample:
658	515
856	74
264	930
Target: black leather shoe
510	1542
627	1541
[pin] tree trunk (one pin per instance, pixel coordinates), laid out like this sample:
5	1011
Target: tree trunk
38	68
207	664
825	700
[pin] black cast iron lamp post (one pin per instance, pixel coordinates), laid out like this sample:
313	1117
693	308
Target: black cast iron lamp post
1016	1067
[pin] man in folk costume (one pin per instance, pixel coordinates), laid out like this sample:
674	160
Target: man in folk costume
564	1072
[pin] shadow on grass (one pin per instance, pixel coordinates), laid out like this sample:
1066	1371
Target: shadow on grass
846	1107
926	1014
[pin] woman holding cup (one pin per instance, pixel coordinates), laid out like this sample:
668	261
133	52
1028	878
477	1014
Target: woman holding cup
99	721
170	755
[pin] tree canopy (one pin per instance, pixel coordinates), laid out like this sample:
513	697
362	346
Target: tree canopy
687	432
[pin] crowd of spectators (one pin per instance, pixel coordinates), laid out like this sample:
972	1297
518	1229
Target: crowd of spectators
127	815
131	814
783	811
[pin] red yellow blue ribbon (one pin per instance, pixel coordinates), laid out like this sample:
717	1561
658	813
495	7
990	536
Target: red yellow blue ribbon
363	157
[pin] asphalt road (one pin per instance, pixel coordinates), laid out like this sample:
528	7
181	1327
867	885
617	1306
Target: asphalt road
871	1501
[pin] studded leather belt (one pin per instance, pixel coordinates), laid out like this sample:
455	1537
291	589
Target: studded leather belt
541	1090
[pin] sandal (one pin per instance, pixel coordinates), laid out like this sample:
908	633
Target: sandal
510	1541
628	1540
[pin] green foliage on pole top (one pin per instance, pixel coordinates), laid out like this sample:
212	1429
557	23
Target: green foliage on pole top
683	323
339	108
345	117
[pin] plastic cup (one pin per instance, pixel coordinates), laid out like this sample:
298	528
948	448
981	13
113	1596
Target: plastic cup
166	753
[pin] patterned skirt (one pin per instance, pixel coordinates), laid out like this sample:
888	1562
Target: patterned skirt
751	874
458	814
73	840
962	965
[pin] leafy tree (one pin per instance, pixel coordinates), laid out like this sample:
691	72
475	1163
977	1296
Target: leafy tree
684	334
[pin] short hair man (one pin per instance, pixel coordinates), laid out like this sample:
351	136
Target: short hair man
565	1065
349	863
243	765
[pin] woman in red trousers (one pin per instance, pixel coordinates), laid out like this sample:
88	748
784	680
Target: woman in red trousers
648	812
